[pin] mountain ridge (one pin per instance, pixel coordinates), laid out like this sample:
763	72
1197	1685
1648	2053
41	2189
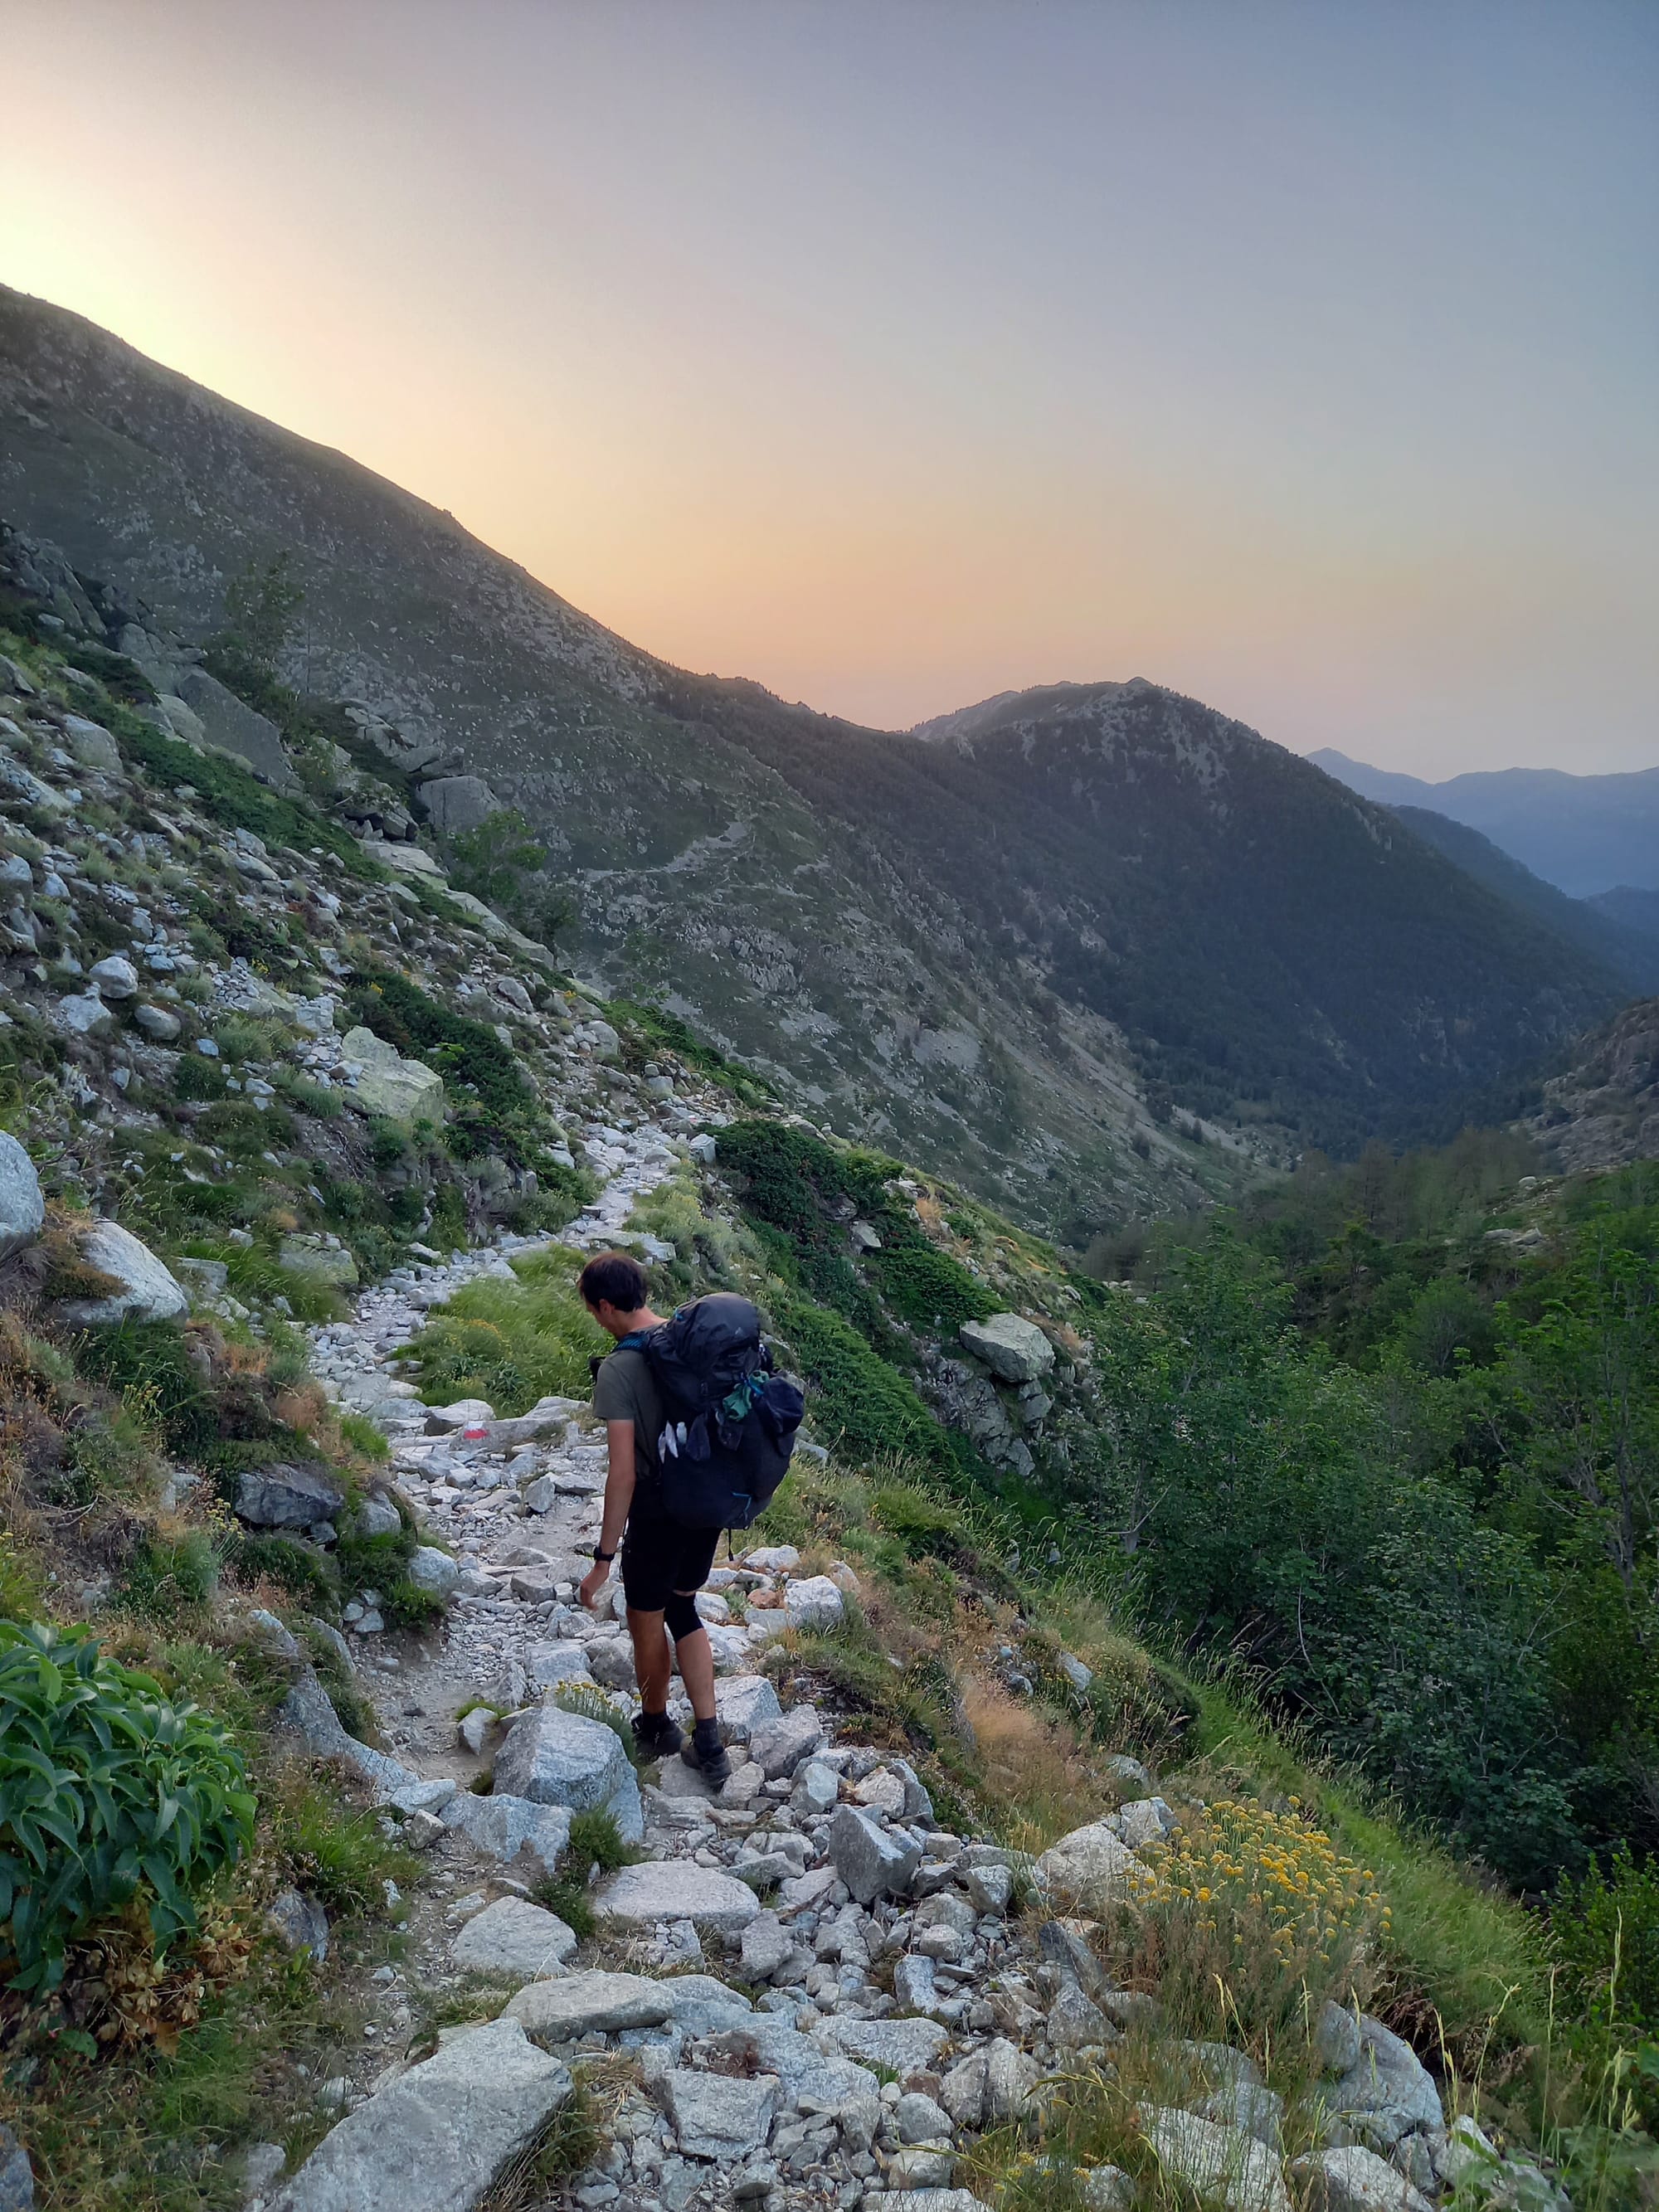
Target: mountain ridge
930	942
1584	834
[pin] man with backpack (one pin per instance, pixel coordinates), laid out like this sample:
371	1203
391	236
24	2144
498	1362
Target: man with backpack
700	1431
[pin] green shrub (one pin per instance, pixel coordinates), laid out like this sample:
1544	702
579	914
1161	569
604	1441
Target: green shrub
149	1363
229	794
107	1790
361	1433
865	1406
305	1574
493	1107
338	1852
197	1079
1606	1931
928	1288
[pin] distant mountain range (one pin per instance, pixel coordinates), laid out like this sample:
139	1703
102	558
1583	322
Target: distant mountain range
1027	945
1584	834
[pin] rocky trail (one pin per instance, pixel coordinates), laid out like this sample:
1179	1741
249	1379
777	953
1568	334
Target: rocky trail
804	1992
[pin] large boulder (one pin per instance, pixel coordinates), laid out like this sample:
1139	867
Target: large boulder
778	1746
744	1704
676	1889
435	2139
92	745
456	804
556	1758
399	1089
287	1495
22	1209
147	1291
720	2116
229	725
872	1861
1092	1866
1014	1349
330	1266
1354	2179
1215	2161
905	2046
593	2003
515	1938
508	1828
1389	2092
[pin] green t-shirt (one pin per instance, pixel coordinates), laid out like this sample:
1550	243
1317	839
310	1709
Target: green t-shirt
624	1389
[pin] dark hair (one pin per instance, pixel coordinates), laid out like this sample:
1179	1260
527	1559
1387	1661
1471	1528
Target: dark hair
612	1278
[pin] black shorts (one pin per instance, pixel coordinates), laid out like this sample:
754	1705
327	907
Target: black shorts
659	1557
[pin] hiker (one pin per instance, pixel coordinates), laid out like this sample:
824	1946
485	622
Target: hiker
663	1563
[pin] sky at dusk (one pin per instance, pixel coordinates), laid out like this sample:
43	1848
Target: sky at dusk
1302	357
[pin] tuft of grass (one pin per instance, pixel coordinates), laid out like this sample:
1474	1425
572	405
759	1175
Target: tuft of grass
335	1849
510	1343
596	1840
570	2140
361	1433
568	1897
591	1703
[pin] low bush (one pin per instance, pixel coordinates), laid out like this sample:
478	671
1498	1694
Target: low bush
509	1343
1605	1932
107	1791
164	1574
1256	1918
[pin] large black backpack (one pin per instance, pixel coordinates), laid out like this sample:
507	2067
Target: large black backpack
730	1423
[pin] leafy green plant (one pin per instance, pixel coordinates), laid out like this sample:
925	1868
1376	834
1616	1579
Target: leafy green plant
1606	1931
502	863
107	1790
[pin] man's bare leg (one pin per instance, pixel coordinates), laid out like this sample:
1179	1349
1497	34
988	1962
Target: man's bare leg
696	1662
652	1663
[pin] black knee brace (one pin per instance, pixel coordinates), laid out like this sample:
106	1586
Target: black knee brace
681	1614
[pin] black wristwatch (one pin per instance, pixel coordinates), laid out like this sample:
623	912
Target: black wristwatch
604	1558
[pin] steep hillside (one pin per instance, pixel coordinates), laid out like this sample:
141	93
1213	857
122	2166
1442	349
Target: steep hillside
933	946
1596	926
1259	946
332	1873
1582	833
1601	1109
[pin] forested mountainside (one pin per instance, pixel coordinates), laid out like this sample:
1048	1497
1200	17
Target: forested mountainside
1015	967
1602	928
323	1835
1584	834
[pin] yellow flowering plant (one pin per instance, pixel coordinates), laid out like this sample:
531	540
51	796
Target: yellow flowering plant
1254	1918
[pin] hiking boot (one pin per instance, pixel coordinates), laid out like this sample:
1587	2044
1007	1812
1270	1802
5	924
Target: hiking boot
706	1754
656	1735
